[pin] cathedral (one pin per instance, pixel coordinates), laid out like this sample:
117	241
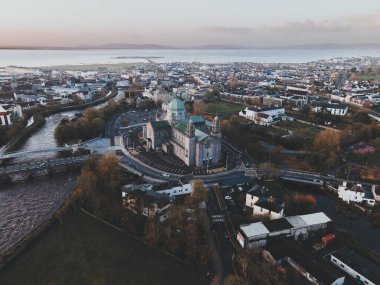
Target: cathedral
184	136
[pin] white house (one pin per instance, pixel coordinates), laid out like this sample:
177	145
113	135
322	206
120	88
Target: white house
263	116
334	108
85	95
264	206
355	194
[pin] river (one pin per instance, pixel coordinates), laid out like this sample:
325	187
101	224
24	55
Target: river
43	138
360	229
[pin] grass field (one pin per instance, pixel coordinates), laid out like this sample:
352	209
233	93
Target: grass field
85	251
222	108
300	129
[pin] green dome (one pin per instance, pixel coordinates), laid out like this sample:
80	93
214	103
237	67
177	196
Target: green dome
176	105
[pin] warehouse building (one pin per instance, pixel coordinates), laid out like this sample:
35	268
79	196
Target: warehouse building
298	227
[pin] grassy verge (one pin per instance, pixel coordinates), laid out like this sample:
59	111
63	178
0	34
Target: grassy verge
85	251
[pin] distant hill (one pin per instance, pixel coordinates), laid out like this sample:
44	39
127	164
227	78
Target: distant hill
336	46
221	46
202	47
124	46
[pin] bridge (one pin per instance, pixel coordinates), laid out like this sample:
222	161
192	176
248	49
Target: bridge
41	165
73	148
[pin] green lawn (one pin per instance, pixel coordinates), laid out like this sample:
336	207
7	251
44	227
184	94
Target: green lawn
222	108
85	251
300	129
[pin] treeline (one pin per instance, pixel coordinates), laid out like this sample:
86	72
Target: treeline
252	268
90	125
183	234
325	151
99	192
98	189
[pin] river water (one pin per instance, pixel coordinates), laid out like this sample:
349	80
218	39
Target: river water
43	138
360	229
25	205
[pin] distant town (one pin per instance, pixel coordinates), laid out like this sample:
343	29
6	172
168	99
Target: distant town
233	173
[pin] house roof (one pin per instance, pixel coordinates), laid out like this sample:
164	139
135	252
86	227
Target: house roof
271	205
315	219
277	225
254	229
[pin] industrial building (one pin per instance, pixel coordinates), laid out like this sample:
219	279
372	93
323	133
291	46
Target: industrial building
298	227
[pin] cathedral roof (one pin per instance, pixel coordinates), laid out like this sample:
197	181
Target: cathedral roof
197	119
182	127
176	104
160	124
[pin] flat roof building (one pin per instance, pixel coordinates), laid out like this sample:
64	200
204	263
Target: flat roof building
298	227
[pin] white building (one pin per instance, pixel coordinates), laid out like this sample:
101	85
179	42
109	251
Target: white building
355	194
333	108
298	227
264	206
263	116
178	190
355	265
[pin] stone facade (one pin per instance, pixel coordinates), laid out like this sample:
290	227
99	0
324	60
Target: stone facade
178	135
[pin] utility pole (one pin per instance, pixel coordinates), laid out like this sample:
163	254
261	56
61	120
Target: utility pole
226	162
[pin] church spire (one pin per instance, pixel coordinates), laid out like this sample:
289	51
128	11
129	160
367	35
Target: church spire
216	125
190	129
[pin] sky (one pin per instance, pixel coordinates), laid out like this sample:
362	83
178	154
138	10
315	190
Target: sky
179	23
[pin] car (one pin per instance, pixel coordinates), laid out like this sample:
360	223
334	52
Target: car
228	197
165	174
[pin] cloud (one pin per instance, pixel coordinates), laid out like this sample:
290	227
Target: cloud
348	29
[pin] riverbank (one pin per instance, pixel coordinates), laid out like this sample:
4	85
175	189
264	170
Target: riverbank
43	112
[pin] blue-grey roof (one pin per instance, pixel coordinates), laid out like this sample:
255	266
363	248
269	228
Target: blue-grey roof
176	104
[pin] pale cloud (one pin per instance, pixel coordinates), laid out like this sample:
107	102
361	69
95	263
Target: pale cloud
348	29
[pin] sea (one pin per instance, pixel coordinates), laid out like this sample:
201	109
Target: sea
38	58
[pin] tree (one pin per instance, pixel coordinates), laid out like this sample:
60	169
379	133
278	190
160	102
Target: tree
327	144
152	231
198	195
197	108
